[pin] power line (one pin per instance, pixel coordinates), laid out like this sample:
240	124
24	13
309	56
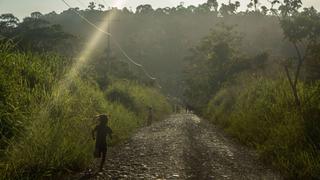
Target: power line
125	54
132	61
145	71
115	41
86	20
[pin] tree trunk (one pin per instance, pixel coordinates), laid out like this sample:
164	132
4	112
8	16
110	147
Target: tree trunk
293	88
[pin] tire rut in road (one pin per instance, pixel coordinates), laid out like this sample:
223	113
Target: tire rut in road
194	155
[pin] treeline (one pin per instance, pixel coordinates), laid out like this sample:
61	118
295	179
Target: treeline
269	102
36	34
161	38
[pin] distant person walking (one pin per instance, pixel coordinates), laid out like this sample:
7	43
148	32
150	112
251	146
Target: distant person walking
100	133
150	116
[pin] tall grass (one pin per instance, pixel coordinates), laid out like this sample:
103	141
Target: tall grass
142	97
44	133
263	115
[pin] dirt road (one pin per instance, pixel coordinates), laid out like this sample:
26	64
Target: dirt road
182	147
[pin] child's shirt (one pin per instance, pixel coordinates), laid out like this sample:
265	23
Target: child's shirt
101	138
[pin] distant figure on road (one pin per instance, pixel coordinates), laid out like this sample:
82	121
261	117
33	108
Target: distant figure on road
188	109
150	116
100	133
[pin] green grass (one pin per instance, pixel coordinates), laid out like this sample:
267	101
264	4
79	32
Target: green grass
142	98
262	114
45	133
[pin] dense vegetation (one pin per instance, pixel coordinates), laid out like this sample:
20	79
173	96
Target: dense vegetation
47	114
161	38
45	130
271	103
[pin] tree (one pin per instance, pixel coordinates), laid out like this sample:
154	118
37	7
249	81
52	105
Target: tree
289	7
181	9
236	5
159	11
228	9
302	30
203	8
207	67
264	10
39	35
213	4
126	11
191	8
255	2
249	7
144	9
51	14
92	6
8	21
101	7
32	23
36	15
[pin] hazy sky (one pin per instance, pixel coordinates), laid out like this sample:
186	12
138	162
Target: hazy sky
22	8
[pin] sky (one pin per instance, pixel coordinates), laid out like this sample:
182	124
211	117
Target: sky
22	8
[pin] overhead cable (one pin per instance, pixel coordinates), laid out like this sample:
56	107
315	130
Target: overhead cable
114	40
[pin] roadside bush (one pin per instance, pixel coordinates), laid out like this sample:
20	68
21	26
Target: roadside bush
220	106
59	137
122	97
25	80
142	98
46	125
264	116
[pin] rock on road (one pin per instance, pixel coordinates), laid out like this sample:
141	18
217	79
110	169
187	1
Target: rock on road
182	147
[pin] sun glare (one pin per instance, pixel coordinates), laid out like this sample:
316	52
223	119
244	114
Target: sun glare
86	53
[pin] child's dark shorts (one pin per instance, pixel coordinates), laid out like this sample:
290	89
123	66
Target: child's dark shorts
98	152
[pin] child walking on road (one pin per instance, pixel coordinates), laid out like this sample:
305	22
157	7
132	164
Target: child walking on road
100	133
150	116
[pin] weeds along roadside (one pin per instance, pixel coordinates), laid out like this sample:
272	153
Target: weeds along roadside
45	133
262	114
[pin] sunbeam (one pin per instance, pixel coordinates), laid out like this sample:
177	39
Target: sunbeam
81	61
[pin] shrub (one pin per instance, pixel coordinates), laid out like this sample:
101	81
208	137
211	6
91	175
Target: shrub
46	125
142	98
122	97
264	116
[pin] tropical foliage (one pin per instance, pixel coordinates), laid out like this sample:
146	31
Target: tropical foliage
268	102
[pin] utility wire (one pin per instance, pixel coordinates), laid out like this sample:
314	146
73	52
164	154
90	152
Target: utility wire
125	54
148	74
132	61
87	20
114	40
